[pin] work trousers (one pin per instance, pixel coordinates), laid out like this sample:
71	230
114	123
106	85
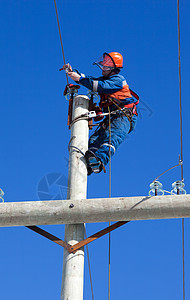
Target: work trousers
99	141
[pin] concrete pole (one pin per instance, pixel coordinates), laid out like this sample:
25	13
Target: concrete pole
73	264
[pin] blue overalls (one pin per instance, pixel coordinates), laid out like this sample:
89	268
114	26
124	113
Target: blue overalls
120	125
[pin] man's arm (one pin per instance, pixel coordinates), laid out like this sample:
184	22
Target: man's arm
101	85
74	74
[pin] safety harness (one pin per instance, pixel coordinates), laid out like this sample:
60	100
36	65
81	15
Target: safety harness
126	109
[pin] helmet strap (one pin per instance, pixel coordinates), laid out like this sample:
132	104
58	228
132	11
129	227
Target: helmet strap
117	70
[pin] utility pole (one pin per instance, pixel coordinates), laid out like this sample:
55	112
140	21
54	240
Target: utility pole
73	264
76	210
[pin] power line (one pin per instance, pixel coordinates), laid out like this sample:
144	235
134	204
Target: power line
180	100
181	142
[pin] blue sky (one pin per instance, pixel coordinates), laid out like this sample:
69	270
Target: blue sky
146	258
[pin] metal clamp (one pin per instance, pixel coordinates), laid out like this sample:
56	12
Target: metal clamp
94	94
91	114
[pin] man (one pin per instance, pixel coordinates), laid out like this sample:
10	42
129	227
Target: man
115	99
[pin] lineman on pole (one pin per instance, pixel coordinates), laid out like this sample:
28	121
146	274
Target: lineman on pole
116	99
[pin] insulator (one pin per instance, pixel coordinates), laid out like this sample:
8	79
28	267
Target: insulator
156	189
1	195
178	188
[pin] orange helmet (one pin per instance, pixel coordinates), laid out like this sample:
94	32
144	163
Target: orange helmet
117	58
110	61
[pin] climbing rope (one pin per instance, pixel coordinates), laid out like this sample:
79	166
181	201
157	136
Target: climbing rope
60	38
119	108
109	152
109	237
181	142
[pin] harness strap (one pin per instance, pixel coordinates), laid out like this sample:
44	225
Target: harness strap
118	101
128	113
134	95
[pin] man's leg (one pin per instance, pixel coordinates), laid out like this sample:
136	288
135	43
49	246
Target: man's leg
94	163
120	127
95	140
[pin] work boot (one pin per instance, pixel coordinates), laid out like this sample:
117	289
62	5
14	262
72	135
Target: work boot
94	163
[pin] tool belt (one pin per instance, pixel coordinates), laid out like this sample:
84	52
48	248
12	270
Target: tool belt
125	112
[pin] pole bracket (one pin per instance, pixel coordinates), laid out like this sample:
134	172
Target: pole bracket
74	248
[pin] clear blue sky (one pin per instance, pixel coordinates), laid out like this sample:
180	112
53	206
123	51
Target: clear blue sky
146	256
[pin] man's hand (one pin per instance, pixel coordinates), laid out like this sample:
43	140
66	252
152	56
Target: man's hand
67	68
74	76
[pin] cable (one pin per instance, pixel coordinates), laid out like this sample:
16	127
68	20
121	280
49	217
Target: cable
109	238
109	152
179	164
89	268
109	269
180	101
60	38
183	253
181	142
